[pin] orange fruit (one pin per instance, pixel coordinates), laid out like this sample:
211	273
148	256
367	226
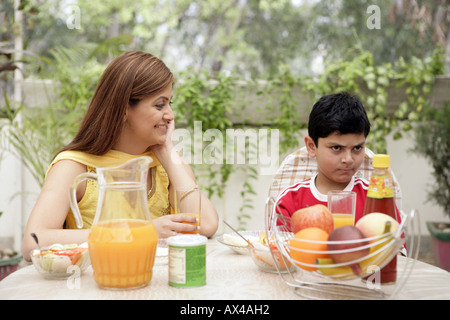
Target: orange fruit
299	250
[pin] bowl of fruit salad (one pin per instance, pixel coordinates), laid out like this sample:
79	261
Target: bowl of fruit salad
61	261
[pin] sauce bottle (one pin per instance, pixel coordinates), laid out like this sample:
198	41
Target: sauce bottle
380	198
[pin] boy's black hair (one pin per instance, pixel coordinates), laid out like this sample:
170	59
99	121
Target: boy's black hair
340	112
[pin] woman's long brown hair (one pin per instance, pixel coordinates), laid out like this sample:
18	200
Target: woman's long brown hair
129	78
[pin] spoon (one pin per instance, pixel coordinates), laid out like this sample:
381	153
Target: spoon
240	235
34	236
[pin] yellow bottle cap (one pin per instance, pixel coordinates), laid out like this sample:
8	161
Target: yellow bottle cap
381	160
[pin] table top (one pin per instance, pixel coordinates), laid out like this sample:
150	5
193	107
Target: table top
230	276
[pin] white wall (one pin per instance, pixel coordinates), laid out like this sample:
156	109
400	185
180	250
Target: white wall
9	203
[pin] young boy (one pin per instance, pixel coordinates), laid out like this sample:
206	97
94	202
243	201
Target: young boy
337	131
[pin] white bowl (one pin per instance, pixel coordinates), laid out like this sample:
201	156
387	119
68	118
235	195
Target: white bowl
236	243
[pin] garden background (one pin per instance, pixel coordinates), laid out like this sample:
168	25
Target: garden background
240	65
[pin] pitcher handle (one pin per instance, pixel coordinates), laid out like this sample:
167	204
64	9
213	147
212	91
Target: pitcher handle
73	196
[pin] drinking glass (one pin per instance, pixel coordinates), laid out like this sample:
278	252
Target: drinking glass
188	201
342	205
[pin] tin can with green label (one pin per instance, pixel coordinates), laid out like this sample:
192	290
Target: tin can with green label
187	260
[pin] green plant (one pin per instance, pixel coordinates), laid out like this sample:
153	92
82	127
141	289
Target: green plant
199	98
40	132
33	138
432	141
371	83
281	101
35	134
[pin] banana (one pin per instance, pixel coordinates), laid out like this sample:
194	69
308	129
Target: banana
325	267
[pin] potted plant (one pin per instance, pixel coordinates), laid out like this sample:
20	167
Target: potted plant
432	141
9	260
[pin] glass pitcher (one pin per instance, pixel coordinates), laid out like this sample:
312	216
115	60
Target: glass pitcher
122	241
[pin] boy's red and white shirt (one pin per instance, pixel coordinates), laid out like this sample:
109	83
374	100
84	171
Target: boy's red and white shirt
305	194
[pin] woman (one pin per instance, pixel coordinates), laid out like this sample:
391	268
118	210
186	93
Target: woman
129	116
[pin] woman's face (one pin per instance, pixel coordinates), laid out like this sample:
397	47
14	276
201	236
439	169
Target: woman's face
146	123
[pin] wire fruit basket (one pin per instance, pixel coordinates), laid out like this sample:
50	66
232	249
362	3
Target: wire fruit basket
316	276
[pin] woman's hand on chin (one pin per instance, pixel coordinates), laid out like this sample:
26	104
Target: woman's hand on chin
166	151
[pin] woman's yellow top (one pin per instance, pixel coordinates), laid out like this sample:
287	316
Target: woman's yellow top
158	197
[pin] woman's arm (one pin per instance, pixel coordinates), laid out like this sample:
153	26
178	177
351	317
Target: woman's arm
181	175
49	213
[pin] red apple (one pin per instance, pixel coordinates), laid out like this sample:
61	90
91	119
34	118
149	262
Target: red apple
315	216
343	244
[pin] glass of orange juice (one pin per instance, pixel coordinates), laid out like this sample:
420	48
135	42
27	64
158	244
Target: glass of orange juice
342	205
188	201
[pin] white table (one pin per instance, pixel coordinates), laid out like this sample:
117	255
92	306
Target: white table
230	276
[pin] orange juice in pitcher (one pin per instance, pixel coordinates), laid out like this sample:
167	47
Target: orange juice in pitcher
122	240
123	253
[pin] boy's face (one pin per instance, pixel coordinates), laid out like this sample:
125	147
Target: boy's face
338	157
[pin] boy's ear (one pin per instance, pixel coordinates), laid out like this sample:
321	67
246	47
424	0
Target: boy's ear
310	146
